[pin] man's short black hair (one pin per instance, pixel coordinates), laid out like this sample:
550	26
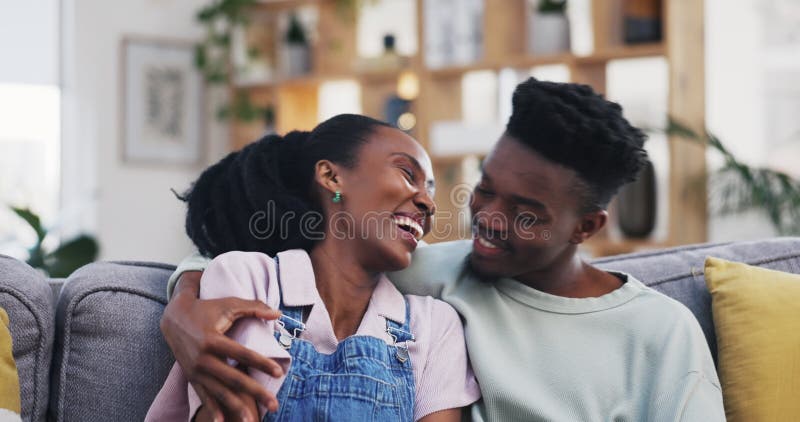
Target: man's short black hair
573	126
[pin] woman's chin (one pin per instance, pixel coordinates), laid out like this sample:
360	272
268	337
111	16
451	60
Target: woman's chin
396	258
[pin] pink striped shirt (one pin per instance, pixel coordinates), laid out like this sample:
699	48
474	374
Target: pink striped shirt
442	374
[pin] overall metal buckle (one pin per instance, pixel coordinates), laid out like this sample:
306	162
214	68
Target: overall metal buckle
286	339
402	348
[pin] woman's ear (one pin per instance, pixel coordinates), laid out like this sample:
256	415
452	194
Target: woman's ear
327	176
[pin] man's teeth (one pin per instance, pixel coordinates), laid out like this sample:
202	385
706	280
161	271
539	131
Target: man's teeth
412	224
486	243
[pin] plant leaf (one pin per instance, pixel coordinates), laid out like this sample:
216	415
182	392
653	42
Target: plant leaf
200	58
33	220
71	255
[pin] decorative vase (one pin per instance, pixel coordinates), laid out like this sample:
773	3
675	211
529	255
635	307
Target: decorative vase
642	21
297	59
548	33
636	205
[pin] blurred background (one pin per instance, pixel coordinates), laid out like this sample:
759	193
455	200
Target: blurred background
108	106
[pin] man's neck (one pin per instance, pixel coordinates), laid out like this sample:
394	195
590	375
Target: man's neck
571	277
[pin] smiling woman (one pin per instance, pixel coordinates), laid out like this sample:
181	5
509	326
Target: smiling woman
336	209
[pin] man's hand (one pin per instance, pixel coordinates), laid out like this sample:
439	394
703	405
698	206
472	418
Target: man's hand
195	331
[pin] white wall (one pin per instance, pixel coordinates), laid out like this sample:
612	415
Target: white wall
129	207
33	61
741	61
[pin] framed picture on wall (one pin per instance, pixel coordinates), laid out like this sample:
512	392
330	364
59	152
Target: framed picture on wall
162	103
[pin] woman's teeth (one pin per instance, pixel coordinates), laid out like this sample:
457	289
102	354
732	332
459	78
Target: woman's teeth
410	225
485	243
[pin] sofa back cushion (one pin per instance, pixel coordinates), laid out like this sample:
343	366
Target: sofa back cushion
678	272
110	359
27	299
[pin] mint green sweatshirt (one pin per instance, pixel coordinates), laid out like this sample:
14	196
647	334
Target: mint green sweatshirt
631	355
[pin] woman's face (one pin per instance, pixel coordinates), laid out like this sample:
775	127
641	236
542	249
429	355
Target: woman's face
387	200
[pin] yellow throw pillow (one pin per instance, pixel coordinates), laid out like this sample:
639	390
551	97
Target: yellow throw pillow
757	321
9	381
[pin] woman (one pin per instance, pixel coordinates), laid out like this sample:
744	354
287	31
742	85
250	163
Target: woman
336	208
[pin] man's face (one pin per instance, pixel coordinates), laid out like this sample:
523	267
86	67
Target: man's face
524	212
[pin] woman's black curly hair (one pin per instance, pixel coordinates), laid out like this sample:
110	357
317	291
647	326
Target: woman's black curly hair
573	126
269	183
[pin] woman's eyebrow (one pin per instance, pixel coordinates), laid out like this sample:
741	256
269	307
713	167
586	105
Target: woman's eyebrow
410	158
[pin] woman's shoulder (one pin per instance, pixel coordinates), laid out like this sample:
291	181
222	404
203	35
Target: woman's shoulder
235	257
260	259
432	316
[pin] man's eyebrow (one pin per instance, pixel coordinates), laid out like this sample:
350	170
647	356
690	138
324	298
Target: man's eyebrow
519	199
528	201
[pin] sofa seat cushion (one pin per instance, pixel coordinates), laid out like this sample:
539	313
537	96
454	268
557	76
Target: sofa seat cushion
27	299
110	359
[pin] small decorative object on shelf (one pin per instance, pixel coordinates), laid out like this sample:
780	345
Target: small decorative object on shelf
636	205
269	119
250	67
389	60
453	32
642	21
397	108
548	28
397	111
297	52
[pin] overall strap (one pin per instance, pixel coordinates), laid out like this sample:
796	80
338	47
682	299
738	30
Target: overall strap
401	334
291	316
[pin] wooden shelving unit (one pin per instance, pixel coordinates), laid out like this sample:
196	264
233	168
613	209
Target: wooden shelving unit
334	56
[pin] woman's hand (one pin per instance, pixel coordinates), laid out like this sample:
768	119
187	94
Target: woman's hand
195	331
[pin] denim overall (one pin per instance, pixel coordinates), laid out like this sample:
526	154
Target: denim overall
365	379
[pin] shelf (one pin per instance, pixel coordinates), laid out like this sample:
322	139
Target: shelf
310	79
272	5
623	52
526	61
512	62
569	59
379	76
504	28
365	77
445	160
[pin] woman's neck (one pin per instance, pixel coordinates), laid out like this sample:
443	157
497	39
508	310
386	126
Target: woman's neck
343	284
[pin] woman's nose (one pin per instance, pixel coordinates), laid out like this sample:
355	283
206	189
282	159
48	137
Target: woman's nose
424	202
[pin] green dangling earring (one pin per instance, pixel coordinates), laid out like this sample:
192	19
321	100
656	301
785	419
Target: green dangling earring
337	197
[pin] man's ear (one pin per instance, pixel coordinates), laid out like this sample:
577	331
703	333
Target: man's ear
589	224
327	176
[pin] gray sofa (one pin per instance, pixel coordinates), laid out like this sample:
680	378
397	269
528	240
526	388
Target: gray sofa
96	353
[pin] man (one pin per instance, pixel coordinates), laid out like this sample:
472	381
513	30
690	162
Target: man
550	337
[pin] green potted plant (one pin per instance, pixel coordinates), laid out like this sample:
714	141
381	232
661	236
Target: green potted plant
297	51
64	259
548	27
737	187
